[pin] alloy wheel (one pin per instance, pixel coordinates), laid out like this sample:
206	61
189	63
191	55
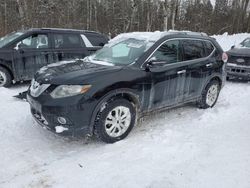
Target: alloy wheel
212	94
117	121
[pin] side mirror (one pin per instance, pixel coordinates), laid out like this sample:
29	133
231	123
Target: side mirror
19	47
232	47
157	63
154	65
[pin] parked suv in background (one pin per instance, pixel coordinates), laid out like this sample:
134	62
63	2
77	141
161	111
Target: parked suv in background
135	74
238	66
22	53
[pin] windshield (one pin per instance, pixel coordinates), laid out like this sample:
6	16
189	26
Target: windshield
8	38
246	43
123	52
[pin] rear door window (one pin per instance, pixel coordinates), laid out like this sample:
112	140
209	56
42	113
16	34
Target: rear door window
63	41
193	49
209	48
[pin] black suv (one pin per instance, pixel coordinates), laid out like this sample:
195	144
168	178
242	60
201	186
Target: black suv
22	53
238	66
133	75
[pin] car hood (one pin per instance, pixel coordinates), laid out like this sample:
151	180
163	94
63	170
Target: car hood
239	52
72	72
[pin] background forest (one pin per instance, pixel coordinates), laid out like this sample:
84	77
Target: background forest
117	16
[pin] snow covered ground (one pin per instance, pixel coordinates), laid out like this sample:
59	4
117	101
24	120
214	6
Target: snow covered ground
184	147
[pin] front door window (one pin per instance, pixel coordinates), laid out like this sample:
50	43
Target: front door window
36	41
169	52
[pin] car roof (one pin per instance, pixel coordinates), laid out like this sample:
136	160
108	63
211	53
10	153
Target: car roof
61	30
174	32
194	35
160	35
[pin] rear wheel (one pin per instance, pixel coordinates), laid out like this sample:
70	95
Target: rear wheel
5	77
210	95
115	121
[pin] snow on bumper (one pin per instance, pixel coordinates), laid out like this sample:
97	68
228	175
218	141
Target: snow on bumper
60	129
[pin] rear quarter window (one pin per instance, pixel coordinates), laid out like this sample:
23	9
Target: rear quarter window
193	49
97	40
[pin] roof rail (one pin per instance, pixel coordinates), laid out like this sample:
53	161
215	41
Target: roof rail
64	29
187	33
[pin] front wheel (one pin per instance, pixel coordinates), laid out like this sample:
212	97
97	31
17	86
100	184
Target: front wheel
209	95
115	120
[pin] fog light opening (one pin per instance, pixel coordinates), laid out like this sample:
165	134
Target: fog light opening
62	120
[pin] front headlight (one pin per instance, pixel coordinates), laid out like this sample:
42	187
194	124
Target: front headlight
69	90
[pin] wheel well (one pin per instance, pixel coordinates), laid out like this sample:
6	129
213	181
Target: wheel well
128	96
11	74
131	97
217	79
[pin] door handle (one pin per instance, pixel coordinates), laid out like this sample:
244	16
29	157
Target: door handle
209	65
181	72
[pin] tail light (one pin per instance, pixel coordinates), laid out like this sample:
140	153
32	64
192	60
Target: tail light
224	57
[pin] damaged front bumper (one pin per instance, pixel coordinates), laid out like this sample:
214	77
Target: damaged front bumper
67	119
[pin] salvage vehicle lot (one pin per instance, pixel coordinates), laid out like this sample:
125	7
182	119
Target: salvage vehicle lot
185	147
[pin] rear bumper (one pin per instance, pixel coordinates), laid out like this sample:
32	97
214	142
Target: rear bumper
78	116
240	72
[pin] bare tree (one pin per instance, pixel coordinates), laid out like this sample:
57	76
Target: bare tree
116	16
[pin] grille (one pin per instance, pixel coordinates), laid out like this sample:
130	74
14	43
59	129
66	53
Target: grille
238	70
243	70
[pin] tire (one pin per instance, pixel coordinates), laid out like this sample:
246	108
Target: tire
209	95
112	123
5	77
